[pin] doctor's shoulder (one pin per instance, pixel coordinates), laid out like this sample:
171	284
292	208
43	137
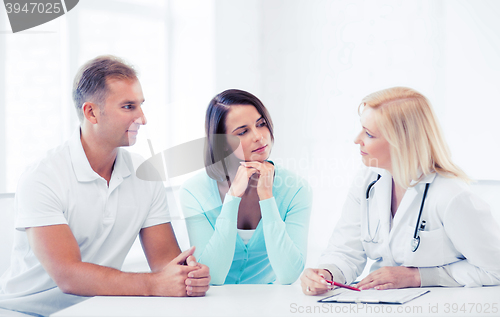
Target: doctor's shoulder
453	195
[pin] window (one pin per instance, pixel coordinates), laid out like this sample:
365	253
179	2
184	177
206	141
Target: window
38	67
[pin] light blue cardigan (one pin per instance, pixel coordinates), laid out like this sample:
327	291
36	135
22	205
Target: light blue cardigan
277	249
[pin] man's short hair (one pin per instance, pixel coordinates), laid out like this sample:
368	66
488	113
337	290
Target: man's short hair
90	81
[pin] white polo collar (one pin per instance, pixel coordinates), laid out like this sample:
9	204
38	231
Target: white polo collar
81	165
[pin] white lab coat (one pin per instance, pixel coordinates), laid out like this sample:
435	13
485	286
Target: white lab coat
461	239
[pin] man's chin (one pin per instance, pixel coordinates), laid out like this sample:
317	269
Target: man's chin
130	142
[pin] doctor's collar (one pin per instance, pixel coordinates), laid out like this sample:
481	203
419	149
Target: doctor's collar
423	179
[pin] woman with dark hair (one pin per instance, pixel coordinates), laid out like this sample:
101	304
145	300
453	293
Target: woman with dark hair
247	217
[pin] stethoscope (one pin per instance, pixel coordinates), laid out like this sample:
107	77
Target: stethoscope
420	226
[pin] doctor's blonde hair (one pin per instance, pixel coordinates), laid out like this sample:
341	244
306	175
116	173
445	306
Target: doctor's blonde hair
407	121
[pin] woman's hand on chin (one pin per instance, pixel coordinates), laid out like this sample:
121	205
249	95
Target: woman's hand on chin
266	178
240	182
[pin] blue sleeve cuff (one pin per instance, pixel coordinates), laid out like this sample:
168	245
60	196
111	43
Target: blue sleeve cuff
230	208
269	210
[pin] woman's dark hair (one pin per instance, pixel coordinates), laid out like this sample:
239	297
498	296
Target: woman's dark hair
216	145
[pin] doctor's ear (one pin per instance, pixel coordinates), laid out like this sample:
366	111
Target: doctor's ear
90	110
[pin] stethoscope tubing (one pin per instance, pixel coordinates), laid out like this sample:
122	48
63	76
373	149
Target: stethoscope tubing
416	237
417	227
368	211
370	187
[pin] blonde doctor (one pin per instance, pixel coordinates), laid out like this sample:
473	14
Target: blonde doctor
409	209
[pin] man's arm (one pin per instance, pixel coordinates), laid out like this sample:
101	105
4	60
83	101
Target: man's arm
58	252
160	246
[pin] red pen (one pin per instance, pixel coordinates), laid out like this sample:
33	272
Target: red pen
343	285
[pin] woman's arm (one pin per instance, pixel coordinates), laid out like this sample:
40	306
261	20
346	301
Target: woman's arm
214	242
344	258
286	241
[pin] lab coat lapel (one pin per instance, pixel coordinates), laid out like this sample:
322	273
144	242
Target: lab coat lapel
408	209
408	198
382	203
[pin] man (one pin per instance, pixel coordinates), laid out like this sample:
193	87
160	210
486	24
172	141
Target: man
80	209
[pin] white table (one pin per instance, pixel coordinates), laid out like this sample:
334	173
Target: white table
288	300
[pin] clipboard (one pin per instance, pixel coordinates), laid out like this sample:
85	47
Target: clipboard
373	296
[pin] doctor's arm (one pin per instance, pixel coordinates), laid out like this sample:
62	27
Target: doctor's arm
474	232
344	257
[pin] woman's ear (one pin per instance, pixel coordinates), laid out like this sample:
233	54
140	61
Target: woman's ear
89	111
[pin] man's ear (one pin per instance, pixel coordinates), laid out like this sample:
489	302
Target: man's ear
89	111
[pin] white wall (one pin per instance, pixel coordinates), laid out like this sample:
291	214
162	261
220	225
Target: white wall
471	81
315	61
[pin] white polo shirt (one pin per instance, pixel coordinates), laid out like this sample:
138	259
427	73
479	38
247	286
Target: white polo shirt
63	189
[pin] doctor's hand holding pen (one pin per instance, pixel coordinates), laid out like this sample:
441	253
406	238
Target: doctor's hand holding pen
317	281
313	281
